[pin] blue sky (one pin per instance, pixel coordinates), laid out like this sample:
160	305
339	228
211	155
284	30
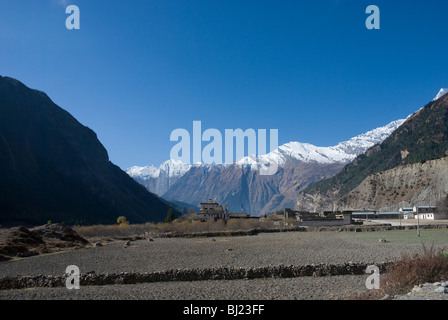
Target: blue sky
136	70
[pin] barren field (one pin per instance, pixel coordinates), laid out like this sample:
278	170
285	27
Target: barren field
264	249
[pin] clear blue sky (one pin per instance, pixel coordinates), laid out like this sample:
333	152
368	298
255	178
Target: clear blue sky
136	70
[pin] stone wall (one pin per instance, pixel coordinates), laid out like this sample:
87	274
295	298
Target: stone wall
217	273
339	228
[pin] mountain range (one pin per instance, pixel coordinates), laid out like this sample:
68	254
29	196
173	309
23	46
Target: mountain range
239	186
309	177
54	168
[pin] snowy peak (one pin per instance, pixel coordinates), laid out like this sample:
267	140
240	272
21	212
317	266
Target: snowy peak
441	93
174	168
362	142
159	179
343	152
143	172
304	152
170	168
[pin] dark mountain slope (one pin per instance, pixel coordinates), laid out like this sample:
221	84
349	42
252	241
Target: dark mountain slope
52	167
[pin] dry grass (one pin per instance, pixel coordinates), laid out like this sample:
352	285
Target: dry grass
110	232
430	265
185	225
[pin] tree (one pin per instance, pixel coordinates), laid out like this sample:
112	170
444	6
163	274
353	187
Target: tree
121	220
170	216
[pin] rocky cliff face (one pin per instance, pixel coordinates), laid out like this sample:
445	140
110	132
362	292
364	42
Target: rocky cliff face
404	186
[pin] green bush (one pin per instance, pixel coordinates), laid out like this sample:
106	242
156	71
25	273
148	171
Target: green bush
170	217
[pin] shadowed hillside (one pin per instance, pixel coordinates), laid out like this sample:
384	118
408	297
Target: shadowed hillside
54	168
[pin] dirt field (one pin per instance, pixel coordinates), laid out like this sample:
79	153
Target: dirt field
265	249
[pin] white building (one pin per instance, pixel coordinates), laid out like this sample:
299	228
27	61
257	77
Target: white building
408	213
422	212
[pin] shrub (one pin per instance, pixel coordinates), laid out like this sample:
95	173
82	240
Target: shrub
429	266
121	220
170	216
403	274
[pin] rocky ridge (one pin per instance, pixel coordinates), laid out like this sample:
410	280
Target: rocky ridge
404	186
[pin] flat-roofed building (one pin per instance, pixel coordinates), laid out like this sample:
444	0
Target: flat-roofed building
212	210
423	212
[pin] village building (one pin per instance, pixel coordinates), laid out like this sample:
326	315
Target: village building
305	218
423	212
378	215
335	219
407	212
212	210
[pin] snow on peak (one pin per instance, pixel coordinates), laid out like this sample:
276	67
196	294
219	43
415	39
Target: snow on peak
343	152
362	142
174	168
143	172
170	168
441	93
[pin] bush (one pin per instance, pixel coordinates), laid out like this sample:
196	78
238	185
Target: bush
170	217
121	220
429	266
402	275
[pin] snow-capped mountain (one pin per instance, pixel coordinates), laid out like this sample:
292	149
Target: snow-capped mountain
172	168
144	172
362	142
441	93
343	152
159	179
241	184
346	151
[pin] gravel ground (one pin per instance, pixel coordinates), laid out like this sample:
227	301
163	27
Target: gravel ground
293	248
304	288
